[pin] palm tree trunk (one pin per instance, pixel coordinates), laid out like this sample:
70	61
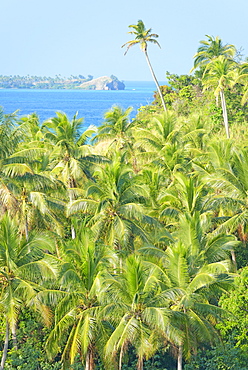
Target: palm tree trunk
89	364
180	358
155	80
14	338
234	259
26	228
24	212
73	231
5	348
140	363
224	112
120	357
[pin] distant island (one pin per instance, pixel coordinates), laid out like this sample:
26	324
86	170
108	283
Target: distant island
58	82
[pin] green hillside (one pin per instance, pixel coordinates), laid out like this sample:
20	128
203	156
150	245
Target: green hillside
126	246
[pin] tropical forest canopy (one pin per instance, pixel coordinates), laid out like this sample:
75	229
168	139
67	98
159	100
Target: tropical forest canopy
125	246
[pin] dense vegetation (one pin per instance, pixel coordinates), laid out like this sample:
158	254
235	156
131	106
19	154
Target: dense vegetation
125	246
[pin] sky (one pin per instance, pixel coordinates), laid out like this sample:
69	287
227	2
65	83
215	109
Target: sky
71	37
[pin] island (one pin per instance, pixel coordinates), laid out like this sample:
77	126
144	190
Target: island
58	82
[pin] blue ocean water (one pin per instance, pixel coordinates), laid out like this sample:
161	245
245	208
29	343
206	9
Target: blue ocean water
90	104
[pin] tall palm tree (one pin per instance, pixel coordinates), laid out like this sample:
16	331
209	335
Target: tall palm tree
212	48
30	128
219	75
142	37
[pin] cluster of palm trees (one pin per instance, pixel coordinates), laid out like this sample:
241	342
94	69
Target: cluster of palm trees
219	64
221	69
123	236
124	242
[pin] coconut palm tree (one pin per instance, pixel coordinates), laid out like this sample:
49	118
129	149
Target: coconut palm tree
29	196
115	203
196	268
231	186
142	37
159	143
212	48
30	128
184	195
72	158
219	74
116	127
137	307
77	327
8	136
23	266
115	133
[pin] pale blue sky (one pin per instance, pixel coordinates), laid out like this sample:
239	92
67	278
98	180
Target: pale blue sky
49	37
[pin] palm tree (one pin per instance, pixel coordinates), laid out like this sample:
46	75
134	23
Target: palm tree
29	196
115	127
115	203
218	75
8	137
23	265
71	158
231	185
158	143
28	190
211	49
185	195
77	327
196	268
242	78
137	307
142	37
29	128
116	133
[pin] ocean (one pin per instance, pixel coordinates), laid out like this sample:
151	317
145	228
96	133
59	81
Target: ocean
89	104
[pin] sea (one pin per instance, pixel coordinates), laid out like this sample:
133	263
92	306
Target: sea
90	104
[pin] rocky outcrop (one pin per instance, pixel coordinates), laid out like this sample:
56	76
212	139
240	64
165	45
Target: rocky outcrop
103	83
115	85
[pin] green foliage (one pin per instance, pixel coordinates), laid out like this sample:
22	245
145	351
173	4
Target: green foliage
30	354
236	302
149	221
232	354
225	357
184	93
237	113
